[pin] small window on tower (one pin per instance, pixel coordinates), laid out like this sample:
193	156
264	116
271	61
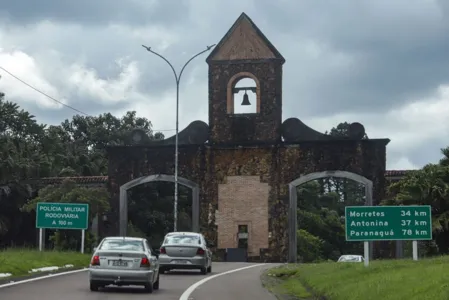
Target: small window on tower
245	96
243	228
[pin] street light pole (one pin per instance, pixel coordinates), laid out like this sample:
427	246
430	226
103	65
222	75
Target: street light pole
177	79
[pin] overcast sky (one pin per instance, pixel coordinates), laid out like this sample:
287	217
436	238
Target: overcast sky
379	62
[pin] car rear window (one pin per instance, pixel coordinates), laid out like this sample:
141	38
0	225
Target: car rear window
182	239
120	244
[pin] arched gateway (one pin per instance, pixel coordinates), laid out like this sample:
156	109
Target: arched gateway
159	177
292	214
242	164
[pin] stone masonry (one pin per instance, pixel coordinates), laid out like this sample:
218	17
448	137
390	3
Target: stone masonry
243	163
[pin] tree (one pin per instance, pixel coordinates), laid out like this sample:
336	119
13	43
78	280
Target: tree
342	130
427	186
29	150
20	159
320	215
70	192
445	160
151	209
309	247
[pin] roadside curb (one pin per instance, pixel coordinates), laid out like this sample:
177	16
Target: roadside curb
271	283
7	282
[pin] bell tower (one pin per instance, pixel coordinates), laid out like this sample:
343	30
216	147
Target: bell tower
245	87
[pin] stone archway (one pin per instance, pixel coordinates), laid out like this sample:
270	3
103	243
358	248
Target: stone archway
292	212
159	177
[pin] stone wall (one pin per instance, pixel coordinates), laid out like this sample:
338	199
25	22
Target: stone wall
263	126
274	165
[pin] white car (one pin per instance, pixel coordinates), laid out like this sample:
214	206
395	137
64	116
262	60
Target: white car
123	261
351	258
185	250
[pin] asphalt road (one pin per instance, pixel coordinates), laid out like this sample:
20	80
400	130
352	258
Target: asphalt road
244	284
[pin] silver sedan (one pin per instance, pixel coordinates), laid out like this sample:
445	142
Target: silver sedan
124	261
185	250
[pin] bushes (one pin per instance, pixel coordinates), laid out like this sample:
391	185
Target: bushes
310	247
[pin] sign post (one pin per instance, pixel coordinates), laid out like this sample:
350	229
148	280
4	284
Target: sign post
415	250
388	223
71	216
366	253
41	238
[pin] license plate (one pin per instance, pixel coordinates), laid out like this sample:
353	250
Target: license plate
180	262
119	263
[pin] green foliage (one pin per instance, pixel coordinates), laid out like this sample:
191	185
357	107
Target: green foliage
383	279
19	262
281	282
427	186
151	208
134	231
69	192
342	130
31	150
321	209
64	240
309	247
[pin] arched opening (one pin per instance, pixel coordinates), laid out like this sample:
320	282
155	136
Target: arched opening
245	98
329	202
150	199
243	94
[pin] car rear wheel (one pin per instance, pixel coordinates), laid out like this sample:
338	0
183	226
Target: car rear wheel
94	287
148	288
209	269
156	284
203	271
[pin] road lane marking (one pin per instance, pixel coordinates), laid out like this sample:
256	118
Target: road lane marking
40	278
192	288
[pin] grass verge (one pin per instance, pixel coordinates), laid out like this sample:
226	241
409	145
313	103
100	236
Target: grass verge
19	261
281	283
387	280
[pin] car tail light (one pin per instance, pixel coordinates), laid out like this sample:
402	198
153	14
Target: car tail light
95	260
162	251
144	262
200	251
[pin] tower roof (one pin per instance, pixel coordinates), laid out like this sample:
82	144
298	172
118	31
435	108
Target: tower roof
244	41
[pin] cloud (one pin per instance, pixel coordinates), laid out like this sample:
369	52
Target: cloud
25	67
95	13
403	163
380	63
415	128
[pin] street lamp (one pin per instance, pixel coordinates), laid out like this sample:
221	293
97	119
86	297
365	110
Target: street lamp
177	79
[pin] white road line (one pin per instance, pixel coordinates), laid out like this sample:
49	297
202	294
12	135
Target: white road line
40	278
190	289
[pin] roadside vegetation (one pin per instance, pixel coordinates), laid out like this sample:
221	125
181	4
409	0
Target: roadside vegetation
19	262
387	280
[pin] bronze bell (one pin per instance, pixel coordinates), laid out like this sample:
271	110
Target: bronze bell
245	101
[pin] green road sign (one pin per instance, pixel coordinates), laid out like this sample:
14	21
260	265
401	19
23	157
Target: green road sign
62	215
386	223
